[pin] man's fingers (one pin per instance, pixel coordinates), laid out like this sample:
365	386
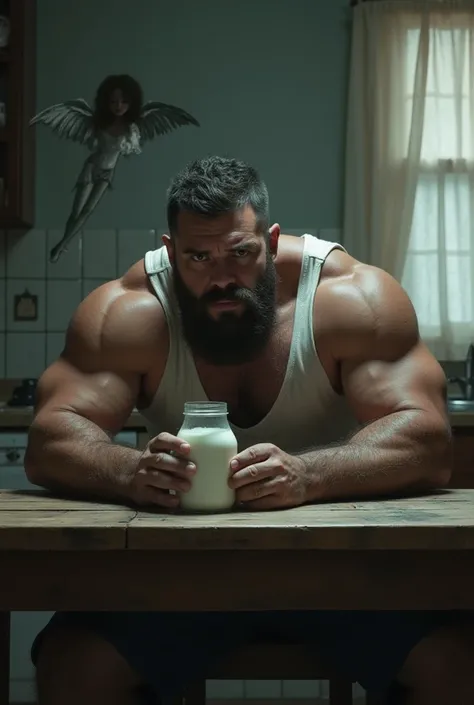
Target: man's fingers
252	455
168	442
169	463
255	491
165	480
153	496
252	474
270	501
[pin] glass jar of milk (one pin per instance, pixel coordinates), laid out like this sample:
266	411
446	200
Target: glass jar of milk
213	445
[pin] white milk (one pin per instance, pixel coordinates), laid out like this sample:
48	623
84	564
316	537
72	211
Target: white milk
211	451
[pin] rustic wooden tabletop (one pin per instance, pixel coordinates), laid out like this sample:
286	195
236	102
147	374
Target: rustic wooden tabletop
35	520
411	553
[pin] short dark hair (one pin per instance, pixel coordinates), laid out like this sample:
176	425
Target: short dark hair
216	185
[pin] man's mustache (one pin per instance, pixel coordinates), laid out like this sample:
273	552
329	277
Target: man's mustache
230	293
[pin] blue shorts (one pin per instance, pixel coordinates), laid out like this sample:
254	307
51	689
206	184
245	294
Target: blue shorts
172	649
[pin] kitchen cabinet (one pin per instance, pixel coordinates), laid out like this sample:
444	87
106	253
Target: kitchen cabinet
463	442
17	107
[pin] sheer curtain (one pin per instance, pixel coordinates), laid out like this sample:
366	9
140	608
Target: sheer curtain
409	204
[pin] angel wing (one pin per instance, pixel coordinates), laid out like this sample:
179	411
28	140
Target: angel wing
71	120
160	118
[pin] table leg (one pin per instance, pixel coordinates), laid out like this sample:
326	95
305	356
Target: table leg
4	658
195	693
374	700
340	691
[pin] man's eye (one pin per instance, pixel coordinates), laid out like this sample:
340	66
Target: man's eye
241	253
199	257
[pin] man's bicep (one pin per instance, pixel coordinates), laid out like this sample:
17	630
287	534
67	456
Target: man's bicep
377	388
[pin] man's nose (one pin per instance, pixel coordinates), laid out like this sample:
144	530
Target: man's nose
221	275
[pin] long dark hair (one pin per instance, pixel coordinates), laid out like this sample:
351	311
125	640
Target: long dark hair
132	93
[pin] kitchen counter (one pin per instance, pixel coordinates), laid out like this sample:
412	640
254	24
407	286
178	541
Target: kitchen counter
21	417
462	419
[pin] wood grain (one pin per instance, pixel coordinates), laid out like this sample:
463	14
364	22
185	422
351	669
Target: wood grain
64	530
441	521
444	520
41	500
240	580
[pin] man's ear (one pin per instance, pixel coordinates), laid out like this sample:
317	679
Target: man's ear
273	238
168	243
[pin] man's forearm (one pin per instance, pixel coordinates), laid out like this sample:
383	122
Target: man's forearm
67	453
402	452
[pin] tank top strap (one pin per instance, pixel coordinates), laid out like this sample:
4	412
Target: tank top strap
315	252
319	249
158	269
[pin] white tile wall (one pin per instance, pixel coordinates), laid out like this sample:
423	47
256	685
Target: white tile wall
304	689
313	690
2	253
26	254
227	690
132	246
260	690
93	257
3	304
69	265
54	346
36	287
2	355
25	354
63	297
99	254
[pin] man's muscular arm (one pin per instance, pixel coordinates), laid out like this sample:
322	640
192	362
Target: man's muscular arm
86	396
395	387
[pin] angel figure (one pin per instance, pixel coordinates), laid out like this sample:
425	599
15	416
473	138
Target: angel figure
118	125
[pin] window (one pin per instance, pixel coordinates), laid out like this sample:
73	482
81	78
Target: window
439	266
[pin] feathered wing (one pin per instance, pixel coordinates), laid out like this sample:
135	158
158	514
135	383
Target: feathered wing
71	120
160	118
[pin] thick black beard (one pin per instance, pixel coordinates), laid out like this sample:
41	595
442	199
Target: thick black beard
232	339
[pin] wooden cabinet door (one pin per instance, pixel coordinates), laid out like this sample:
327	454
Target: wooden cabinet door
463	474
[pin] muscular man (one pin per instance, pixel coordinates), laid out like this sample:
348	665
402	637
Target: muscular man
331	395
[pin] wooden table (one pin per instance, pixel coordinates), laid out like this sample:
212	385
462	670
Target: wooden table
415	553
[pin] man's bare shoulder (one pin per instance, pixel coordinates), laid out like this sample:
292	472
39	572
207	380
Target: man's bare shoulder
359	305
121	322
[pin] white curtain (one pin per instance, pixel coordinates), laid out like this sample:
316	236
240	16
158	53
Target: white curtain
409	200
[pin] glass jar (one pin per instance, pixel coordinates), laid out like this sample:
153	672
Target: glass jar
213	445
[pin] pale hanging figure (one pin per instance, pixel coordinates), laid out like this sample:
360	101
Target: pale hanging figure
118	125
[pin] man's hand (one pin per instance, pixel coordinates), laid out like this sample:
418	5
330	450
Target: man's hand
162	467
265	477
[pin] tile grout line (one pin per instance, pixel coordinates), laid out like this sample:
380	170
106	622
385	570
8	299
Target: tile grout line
4	254
81	263
46	297
117	273
5	306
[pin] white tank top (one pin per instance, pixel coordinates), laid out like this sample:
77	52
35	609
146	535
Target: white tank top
307	412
